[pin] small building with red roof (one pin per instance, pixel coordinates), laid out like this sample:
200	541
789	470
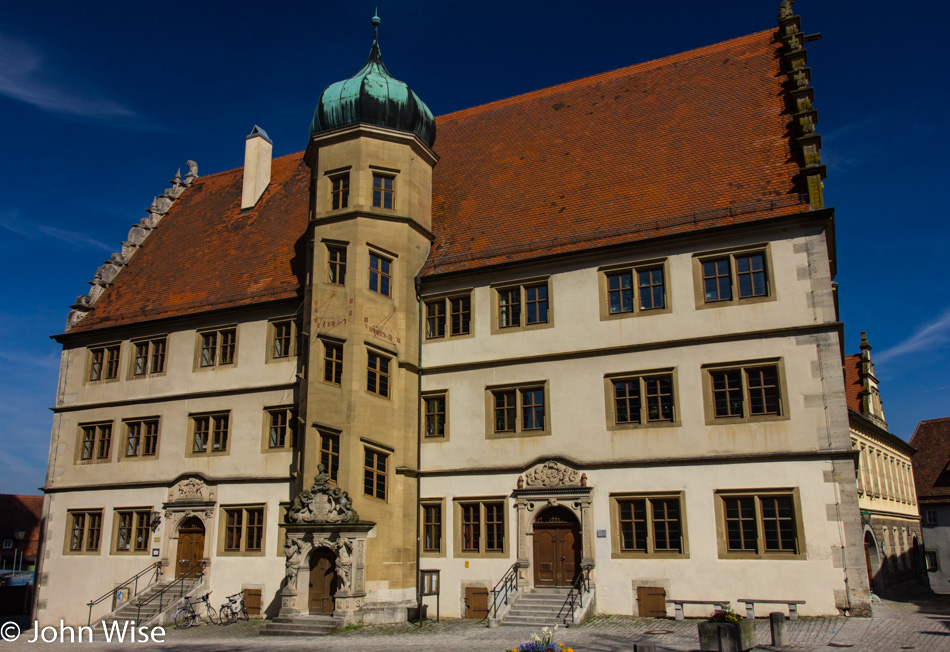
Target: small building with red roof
932	475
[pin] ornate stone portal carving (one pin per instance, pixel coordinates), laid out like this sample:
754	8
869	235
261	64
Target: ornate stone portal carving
551	474
322	503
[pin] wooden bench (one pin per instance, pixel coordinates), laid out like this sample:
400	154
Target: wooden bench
792	607
678	605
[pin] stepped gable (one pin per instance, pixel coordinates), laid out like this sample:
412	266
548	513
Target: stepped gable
700	132
694	141
932	461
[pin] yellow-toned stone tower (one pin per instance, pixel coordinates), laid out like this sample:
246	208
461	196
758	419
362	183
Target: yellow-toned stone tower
371	157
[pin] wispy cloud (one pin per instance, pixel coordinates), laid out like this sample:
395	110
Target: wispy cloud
24	77
11	222
926	338
24	359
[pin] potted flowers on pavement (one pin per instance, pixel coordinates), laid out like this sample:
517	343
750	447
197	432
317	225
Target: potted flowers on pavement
737	629
543	643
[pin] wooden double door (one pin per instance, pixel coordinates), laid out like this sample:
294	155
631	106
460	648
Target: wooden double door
557	554
322	581
191	545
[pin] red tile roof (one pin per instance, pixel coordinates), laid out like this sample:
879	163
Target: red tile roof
932	461
852	381
21	513
692	141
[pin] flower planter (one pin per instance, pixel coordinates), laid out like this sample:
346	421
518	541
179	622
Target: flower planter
741	633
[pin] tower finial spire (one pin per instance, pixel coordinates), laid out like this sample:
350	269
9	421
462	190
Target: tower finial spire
376	21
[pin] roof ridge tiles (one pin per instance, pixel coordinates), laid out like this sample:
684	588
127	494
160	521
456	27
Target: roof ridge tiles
642	66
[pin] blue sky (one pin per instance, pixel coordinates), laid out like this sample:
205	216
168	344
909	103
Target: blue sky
101	102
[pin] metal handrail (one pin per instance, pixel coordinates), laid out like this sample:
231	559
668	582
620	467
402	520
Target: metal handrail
197	571
575	596
504	587
134	580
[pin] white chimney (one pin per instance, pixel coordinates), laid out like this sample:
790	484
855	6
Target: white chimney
257	156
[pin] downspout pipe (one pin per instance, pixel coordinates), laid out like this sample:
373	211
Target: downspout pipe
418	287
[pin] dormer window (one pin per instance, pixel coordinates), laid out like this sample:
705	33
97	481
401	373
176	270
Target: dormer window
382	190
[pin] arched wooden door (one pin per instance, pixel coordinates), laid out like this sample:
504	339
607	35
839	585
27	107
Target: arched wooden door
322	581
191	545
557	548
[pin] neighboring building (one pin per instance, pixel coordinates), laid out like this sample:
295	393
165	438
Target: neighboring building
590	330
932	475
886	495
20	518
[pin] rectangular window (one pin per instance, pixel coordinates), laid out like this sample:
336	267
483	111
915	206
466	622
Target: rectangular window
448	316
435	415
518	410
432	528
435	319
149	357
283	338
380	274
650	525
85	530
377	374
639	400
210	433
332	363
217	347
374	474
760	524
132	530
339	191
731	277
280	429
336	273
96	442
635	289
482	525
243	529
382	191
930	517
930	561
522	306
330	454
104	362
745	392
141	438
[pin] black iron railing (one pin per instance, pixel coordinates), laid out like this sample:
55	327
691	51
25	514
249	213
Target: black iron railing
575	597
154	569
504	588
167	592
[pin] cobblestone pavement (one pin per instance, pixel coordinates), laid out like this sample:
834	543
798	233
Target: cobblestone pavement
922	625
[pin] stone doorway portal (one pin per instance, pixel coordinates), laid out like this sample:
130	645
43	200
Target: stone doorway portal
557	548
191	545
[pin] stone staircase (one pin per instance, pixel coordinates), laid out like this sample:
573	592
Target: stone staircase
150	612
300	626
537	608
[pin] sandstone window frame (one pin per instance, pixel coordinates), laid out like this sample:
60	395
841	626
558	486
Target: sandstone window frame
336	261
380	374
330	451
761	551
449	316
651	520
733	274
83	531
280	429
384	189
139	524
333	360
380	272
214	431
249	528
709	371
641	378
432	523
149	357
103	363
145	442
431	418
485	513
95	442
339	189
634	269
283	339
216	347
376	480
492	395
511	301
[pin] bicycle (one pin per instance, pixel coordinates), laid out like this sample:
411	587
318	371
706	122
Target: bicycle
186	616
233	609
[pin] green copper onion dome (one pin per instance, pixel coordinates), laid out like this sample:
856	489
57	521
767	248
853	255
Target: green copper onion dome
373	96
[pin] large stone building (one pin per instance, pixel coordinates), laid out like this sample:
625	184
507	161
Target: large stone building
587	338
886	494
932	473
